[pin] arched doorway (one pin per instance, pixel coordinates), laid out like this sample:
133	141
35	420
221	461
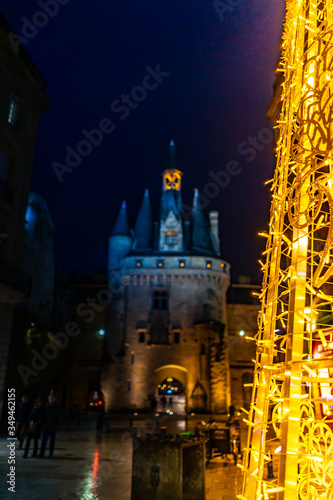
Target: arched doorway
170	388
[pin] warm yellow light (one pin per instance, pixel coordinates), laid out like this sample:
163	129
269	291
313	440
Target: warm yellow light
293	373
172	179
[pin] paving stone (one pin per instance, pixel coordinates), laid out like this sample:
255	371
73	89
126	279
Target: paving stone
86	468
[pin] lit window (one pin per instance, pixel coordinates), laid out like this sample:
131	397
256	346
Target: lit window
13	109
171	238
160	263
139	263
208	264
4	162
182	263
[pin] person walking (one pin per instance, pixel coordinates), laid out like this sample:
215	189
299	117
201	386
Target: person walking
51	425
22	414
34	427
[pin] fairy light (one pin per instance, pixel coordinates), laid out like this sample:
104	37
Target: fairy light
293	374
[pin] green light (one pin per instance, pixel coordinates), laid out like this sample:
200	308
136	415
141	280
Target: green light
101	332
241	333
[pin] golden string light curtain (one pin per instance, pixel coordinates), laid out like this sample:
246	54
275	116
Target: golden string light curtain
291	416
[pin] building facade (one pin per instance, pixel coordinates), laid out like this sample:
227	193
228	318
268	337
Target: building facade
243	307
22	100
167	320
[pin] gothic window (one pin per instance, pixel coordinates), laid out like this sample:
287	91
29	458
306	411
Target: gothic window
176	338
160	300
171	238
203	349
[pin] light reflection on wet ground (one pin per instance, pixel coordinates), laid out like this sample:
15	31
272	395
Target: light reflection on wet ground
83	468
87	466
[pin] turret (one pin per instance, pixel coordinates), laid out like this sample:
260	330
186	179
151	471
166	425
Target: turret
120	241
201	235
144	225
171	230
214	226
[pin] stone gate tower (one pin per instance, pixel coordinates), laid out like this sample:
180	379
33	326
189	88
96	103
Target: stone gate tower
167	319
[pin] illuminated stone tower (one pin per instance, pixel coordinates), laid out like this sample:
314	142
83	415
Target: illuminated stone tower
291	411
166	324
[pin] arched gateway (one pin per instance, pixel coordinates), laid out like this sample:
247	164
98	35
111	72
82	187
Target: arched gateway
171	387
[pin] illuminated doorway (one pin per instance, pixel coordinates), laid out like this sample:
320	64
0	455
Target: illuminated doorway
170	389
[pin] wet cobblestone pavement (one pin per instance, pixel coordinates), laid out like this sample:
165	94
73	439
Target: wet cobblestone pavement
87	466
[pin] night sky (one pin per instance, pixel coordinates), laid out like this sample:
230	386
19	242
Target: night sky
215	97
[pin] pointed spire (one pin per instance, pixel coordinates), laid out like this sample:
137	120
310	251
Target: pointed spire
172	154
144	225
121	227
201	239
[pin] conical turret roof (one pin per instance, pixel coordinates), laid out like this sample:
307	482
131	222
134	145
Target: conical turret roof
121	227
201	238
144	225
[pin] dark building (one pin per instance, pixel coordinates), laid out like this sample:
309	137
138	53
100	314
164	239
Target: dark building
22	100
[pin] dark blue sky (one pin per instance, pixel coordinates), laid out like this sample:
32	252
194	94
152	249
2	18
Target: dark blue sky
219	86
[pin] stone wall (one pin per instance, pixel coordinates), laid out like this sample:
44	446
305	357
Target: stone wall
131	374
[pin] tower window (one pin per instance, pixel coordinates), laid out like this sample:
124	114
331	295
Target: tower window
138	263
171	238
13	109
208	264
203	349
207	312
182	263
176	338
160	300
142	337
160	263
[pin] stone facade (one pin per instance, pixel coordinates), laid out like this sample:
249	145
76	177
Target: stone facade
242	310
84	352
168	316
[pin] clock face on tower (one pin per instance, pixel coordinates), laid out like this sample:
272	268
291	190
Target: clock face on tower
172	179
